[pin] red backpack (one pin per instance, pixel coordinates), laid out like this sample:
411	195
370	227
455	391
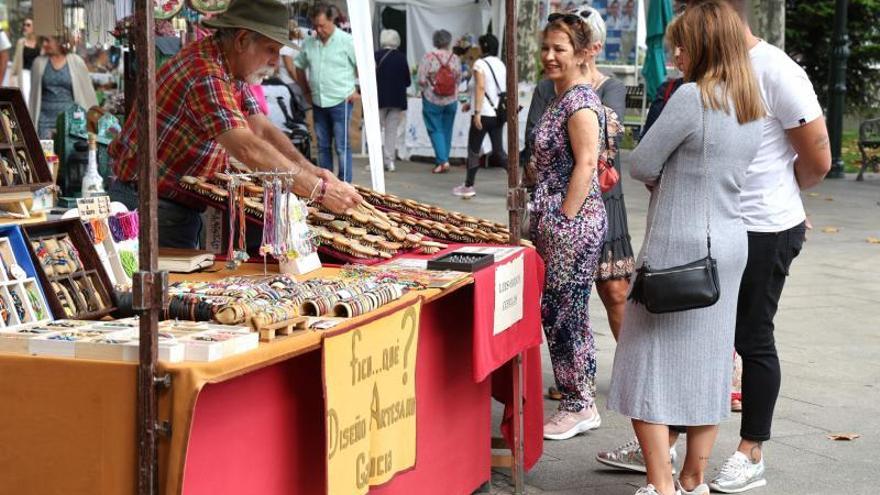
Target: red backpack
445	83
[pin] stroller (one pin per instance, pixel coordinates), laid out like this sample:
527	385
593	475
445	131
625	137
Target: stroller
287	110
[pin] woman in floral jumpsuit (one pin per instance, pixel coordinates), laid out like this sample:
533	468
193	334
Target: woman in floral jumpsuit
568	222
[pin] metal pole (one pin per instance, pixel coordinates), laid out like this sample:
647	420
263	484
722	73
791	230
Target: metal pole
516	202
148	285
837	87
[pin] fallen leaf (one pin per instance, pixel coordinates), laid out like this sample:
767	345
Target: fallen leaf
813	195
831	230
829	198
843	436
873	240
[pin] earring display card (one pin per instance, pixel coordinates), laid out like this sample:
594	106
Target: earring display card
18	341
76	282
22	302
23	165
63	344
212	345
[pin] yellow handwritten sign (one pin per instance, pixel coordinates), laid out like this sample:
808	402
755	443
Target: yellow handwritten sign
369	379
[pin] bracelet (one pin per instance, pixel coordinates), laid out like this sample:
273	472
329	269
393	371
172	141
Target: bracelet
312	194
323	191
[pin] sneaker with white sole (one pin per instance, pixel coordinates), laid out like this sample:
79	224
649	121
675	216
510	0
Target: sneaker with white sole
739	474
701	489
650	490
566	424
464	191
629	456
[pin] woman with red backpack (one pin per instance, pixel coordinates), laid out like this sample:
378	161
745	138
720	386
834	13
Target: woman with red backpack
439	74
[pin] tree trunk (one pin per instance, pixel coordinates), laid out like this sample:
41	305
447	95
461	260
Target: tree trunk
768	21
527	40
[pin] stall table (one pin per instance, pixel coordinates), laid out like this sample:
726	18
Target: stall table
254	423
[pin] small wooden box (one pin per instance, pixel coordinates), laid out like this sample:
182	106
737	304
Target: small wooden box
92	273
20	145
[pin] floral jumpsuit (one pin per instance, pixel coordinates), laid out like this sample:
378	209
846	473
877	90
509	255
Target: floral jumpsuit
570	248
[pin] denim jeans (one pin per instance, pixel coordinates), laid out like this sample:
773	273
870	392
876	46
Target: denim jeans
331	127
439	120
179	226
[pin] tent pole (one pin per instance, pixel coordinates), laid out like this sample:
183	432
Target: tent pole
516	202
148	284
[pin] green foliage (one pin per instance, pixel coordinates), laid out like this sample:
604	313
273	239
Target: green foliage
809	32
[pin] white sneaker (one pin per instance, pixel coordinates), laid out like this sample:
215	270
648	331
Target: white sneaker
701	489
739	474
650	490
564	424
629	456
464	191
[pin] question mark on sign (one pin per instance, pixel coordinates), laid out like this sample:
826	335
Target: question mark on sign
409	315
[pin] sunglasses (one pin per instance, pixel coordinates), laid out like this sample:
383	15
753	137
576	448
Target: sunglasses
572	18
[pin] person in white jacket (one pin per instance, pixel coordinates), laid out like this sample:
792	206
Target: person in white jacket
59	79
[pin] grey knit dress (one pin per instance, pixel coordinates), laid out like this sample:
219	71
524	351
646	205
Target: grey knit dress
676	368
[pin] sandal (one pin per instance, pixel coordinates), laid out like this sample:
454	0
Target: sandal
441	169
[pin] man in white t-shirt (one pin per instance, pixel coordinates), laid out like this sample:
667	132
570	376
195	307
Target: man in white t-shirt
794	155
5	45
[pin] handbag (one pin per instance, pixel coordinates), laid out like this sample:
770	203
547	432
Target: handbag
608	175
693	285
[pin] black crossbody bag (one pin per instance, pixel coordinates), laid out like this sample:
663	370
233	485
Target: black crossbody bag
680	288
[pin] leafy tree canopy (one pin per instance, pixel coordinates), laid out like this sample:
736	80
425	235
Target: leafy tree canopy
809	33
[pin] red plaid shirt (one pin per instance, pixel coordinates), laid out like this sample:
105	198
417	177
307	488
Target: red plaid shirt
197	99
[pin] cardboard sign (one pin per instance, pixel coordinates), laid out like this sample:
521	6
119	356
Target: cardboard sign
93	207
369	382
508	294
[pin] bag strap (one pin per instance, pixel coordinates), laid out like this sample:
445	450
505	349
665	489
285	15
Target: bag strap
705	195
494	106
383	58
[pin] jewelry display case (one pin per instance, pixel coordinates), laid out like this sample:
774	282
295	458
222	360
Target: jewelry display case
68	266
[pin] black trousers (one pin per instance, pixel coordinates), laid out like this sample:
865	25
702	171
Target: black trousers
770	256
493	127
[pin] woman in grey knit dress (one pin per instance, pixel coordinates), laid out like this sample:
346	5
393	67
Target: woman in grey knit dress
675	368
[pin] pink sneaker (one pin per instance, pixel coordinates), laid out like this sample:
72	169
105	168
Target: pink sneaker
464	191
564	424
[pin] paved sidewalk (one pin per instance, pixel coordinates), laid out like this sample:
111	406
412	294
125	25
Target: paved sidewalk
828	334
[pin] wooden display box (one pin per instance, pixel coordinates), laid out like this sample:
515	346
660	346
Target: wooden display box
91	275
20	147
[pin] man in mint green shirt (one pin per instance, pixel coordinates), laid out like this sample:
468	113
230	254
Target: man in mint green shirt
327	72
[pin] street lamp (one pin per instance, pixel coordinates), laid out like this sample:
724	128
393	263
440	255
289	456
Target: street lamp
837	87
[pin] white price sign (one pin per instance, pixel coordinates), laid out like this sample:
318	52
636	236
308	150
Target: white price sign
508	294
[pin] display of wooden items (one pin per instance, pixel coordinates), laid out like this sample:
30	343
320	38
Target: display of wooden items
23	165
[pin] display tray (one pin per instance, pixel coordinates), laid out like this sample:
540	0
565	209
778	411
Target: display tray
77	285
23	165
461	262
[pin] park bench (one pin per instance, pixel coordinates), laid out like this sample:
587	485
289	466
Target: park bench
869	145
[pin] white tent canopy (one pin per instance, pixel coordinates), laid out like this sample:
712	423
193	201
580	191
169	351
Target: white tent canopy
423	17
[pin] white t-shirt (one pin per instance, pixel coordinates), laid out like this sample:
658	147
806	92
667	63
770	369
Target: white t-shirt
771	197
482	65
4	42
286	51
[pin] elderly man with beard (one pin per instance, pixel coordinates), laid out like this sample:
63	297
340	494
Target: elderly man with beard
207	113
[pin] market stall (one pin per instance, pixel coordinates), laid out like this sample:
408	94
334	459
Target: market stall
251	422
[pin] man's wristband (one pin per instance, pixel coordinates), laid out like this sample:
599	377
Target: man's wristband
323	191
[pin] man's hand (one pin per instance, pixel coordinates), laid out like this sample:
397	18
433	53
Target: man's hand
340	196
466	108
354	97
